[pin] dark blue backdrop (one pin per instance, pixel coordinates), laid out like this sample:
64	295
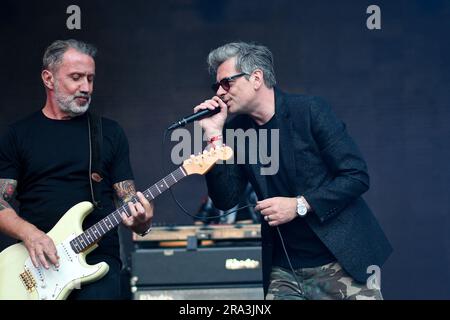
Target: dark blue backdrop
390	86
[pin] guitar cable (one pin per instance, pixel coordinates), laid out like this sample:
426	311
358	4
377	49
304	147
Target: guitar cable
226	214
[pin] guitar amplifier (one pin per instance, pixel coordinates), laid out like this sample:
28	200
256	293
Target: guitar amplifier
237	292
178	266
222	232
205	273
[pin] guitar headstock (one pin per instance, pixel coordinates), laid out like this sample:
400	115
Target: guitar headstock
201	163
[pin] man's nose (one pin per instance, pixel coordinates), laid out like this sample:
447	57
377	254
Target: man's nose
221	91
85	86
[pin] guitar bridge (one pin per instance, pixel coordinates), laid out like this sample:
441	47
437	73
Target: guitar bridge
28	280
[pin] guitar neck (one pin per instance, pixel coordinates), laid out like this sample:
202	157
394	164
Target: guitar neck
95	232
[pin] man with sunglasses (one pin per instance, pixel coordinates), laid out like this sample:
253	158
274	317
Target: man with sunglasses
319	238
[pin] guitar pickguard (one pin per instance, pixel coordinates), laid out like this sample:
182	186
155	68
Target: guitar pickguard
49	283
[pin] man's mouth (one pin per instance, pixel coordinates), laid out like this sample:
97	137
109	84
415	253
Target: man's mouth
82	99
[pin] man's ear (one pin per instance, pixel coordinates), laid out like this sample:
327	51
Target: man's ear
258	78
48	79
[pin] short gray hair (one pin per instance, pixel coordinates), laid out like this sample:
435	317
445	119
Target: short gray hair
54	53
249	57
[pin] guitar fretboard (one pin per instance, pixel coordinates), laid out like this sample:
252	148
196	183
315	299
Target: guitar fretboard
95	232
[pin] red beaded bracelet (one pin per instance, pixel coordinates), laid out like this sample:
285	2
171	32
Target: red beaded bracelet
214	138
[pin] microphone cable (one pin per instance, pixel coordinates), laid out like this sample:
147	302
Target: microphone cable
225	214
186	212
288	259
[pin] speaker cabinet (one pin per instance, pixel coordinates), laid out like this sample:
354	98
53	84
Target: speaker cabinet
205	273
200	293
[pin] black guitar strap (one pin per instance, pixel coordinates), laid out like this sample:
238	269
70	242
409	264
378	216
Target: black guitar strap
95	156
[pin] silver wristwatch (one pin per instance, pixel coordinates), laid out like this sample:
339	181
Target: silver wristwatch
301	207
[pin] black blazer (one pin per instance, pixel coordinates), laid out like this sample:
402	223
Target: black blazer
325	167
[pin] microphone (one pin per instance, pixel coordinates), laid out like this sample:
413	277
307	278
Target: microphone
193	117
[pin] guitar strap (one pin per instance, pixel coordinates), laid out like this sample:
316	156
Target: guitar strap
95	156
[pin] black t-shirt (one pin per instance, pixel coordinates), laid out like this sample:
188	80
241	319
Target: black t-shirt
304	248
50	160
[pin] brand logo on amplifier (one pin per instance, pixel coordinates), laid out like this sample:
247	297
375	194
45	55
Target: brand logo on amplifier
235	264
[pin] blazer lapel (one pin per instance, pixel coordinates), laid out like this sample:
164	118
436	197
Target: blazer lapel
286	148
287	142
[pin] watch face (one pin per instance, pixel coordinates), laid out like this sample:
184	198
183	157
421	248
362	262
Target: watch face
301	208
301	211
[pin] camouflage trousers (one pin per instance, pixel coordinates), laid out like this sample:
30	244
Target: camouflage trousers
327	282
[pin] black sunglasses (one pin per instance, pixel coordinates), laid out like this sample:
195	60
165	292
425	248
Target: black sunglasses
225	82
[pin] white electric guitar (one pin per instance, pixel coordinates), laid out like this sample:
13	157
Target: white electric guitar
20	280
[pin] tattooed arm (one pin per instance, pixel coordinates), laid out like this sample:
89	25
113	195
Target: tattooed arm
41	248
125	190
141	211
7	190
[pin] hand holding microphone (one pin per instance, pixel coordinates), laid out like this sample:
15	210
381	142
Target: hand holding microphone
213	112
213	125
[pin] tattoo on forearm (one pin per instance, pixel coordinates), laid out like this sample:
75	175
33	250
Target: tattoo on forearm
125	190
7	190
4	205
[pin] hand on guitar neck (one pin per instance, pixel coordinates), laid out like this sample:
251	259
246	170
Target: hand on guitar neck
141	215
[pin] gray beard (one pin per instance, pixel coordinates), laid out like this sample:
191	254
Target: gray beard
68	104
